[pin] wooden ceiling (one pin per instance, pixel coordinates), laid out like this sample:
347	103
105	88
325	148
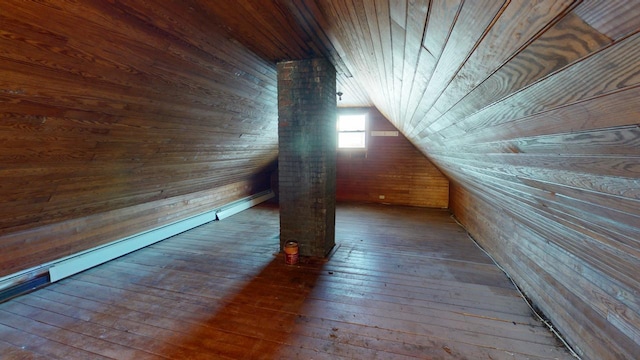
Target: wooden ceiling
427	64
287	30
117	116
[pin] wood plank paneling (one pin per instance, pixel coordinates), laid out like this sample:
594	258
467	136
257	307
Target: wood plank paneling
35	246
588	296
391	170
530	107
415	287
615	19
469	28
538	59
119	117
415	19
606	72
569	187
485	59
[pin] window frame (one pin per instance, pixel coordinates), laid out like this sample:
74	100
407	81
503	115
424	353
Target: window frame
364	131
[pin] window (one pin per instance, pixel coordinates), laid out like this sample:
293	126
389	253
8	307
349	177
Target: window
351	131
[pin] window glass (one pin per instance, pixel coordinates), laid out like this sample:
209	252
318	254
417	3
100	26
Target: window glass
351	131
351	140
351	123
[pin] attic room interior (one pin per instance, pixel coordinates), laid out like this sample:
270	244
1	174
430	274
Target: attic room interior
157	157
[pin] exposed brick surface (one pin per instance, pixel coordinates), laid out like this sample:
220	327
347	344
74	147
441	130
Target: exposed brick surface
307	154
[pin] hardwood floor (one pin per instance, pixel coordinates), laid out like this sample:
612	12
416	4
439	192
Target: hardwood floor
403	283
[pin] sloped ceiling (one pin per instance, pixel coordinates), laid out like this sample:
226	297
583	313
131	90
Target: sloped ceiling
287	30
437	69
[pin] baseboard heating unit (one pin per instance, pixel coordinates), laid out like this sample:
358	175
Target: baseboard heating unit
12	285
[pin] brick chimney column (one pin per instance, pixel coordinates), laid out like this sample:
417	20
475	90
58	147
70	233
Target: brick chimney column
307	154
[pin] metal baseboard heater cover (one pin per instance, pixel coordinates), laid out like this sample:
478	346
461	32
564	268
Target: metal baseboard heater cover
24	287
243	204
99	255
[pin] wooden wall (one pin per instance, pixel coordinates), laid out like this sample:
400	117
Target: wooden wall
545	159
116	117
532	109
390	167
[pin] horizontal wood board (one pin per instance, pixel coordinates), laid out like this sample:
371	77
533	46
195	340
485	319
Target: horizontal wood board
390	170
120	117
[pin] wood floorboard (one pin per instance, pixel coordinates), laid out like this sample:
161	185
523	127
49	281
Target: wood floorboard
403	283
39	325
25	345
444	312
11	351
116	342
148	323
